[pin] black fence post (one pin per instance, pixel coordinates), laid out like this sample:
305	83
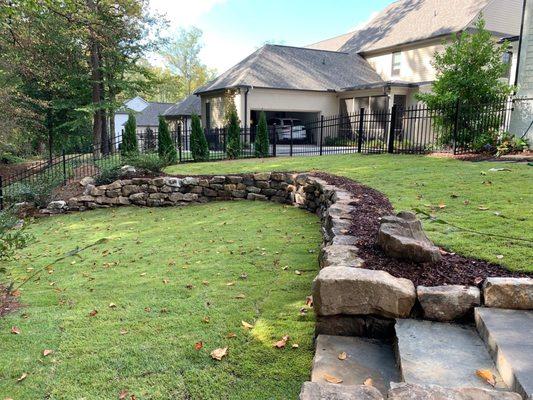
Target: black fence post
179	143
321	132
274	140
455	126
394	113
360	130
291	142
64	166
1	193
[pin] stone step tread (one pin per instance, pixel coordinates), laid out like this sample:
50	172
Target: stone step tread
444	354
365	358
509	336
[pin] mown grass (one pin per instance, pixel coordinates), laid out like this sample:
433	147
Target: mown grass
175	276
497	205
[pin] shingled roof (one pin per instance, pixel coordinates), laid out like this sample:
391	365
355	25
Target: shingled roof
408	21
191	105
150	115
298	68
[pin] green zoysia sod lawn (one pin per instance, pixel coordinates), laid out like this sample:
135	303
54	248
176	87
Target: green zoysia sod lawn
466	194
166	280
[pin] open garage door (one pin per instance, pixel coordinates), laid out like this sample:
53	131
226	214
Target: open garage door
299	128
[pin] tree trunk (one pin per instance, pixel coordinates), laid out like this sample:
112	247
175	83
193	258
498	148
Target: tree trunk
96	83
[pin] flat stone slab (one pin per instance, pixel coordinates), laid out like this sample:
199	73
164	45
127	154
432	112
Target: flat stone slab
513	293
409	391
365	358
509	336
330	391
443	354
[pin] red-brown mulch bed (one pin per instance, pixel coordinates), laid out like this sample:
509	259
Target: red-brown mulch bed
8	302
453	269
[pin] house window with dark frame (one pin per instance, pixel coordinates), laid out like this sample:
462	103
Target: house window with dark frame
396	63
208	115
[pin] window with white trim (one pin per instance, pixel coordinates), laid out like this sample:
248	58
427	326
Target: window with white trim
396	63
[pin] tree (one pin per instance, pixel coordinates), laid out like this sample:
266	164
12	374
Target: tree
468	78
199	146
165	145
129	138
182	55
261	138
233	147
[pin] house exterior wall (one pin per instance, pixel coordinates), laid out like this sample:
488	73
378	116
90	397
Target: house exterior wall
522	115
502	17
415	62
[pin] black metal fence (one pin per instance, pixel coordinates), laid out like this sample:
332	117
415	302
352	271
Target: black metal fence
413	130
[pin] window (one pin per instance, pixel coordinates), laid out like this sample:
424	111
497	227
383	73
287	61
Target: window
396	63
507	59
208	115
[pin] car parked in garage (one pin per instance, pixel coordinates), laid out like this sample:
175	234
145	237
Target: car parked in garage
283	127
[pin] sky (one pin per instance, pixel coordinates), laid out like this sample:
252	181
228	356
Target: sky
233	29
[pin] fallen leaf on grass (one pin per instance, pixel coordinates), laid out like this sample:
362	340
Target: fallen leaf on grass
198	346
47	352
368	382
240	296
342	356
123	331
332	379
231	335
298	272
499	256
22	377
218	354
165	281
112	305
280	344
93	313
482	208
246	325
295	345
122	395
309	301
487	376
442	205
230	284
15	330
206	320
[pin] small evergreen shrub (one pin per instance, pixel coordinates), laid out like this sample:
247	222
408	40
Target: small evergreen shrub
233	147
165	145
38	191
9	158
129	138
199	146
261	139
151	162
109	173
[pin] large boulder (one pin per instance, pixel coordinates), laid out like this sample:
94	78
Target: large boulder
446	303
514	293
358	291
330	391
401	236
409	391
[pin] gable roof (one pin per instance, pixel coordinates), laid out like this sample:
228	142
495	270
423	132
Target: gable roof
150	115
408	21
297	68
190	105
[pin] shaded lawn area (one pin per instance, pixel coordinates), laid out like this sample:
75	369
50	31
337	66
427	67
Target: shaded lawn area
465	194
176	276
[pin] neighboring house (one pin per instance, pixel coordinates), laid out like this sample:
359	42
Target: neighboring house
179	115
387	62
146	113
522	116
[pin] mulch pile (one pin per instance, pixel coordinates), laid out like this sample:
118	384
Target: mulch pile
453	269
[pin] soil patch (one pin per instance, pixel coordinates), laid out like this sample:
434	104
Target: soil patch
453	269
8	302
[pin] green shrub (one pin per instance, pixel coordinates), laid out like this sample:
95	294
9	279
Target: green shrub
151	162
38	191
509	144
261	139
233	147
165	145
340	141
9	158
129	138
108	174
199	146
11	237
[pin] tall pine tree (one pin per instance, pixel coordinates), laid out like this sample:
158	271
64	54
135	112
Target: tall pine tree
233	147
199	147
165	145
129	138
261	138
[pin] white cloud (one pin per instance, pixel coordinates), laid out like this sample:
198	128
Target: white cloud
184	12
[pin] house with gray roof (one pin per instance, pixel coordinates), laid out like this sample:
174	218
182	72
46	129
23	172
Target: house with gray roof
386	62
179	115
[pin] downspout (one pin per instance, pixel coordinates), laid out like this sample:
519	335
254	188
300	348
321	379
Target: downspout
520	43
246	108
